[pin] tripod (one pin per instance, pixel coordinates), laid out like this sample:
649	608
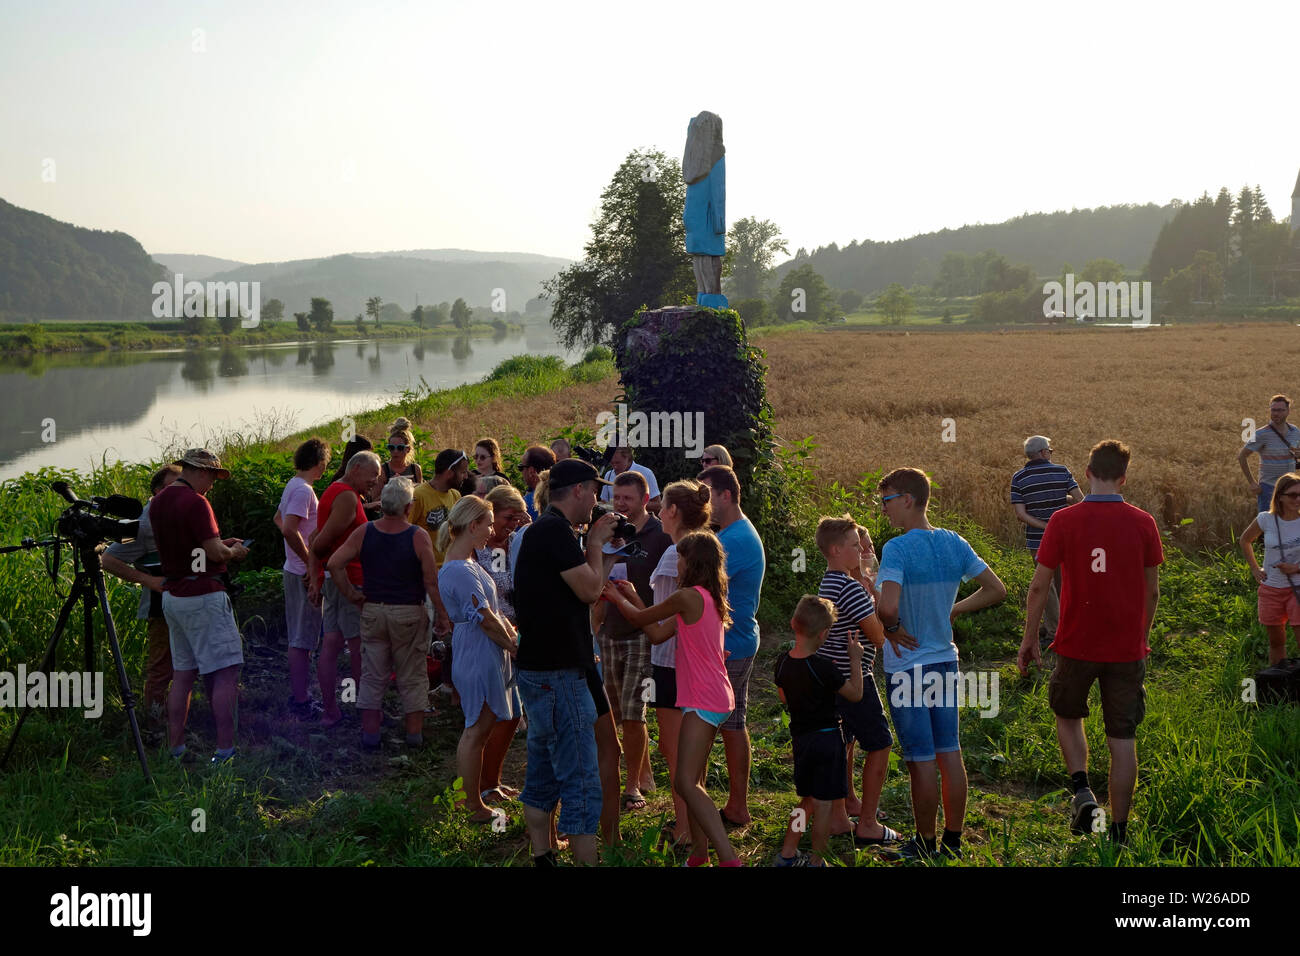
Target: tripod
87	585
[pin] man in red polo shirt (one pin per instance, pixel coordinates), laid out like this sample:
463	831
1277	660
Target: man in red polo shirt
200	621
339	513
1109	553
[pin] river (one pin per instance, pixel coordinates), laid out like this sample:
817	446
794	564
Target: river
74	409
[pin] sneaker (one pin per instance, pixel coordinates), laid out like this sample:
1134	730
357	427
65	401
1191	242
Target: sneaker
1083	809
800	858
217	759
305	710
913	850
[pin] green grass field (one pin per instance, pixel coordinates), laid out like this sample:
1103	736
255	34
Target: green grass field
1219	778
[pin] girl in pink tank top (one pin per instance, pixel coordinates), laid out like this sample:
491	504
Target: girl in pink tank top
703	689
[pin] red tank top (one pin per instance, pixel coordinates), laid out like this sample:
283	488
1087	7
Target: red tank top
358	520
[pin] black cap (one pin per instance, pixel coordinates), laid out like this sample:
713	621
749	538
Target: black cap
571	471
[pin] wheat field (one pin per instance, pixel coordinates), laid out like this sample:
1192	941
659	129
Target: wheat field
1175	395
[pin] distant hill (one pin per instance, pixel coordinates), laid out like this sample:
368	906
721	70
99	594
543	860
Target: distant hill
195	266
348	280
1044	241
55	270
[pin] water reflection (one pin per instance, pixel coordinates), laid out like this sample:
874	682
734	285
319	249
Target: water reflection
196	367
118	403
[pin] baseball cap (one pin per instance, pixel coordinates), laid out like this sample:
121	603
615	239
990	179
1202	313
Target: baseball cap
1036	443
571	471
202	458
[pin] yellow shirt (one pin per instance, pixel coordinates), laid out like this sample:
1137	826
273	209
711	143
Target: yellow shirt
429	509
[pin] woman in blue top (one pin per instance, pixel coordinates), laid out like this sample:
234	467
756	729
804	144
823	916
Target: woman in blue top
483	644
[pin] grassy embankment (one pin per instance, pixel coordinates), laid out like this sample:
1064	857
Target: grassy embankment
1218	781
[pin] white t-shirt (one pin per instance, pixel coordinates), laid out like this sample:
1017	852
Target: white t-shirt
299	499
1288	552
663	582
607	491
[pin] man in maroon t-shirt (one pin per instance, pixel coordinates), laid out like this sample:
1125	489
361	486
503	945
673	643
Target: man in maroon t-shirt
204	636
1109	554
339	513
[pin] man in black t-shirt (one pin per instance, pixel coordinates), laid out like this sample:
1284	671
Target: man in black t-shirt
555	584
808	684
624	648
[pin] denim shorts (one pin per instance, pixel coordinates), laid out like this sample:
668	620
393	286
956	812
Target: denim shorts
562	763
923	730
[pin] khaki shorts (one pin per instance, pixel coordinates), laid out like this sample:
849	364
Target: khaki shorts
341	616
202	632
394	639
1123	698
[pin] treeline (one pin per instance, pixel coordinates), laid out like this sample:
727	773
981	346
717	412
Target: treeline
1040	241
52	269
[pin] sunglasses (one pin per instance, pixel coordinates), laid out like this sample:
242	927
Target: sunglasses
881	501
398	447
708	461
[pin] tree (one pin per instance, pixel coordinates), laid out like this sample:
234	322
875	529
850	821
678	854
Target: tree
850	300
417	316
1102	270
272	312
636	255
322	315
304	323
439	314
361	326
803	294
895	303
373	305
752	246
1209	276
230	321
461	314
392	312
754	312
1178	288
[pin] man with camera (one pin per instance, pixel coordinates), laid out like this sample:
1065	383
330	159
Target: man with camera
624	649
130	561
1278	447
620	463
204	636
555	585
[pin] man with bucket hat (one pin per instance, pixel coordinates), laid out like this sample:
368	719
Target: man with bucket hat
200	620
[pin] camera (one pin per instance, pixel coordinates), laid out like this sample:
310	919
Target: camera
624	529
597	459
111	518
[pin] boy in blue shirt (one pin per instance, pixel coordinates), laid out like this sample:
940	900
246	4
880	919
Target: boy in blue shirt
920	572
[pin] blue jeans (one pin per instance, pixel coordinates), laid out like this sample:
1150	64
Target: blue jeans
562	763
1265	499
924	729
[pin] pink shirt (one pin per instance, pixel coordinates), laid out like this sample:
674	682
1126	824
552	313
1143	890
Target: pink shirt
701	663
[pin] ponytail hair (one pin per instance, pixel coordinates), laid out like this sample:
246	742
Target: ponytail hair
705	565
463	514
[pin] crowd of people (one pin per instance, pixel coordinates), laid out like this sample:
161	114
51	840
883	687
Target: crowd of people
575	621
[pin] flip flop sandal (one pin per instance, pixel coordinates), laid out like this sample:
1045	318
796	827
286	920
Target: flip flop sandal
729	823
633	801
488	821
886	838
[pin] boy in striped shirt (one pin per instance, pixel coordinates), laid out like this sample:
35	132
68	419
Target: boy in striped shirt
863	720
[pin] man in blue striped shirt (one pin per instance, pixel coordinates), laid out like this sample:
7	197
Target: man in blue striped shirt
1039	490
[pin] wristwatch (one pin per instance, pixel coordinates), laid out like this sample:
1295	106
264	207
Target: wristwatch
897	624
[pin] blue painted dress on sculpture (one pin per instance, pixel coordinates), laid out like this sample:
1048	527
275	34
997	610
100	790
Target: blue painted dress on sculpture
705	219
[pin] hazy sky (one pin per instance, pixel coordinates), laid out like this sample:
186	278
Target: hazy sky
314	128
